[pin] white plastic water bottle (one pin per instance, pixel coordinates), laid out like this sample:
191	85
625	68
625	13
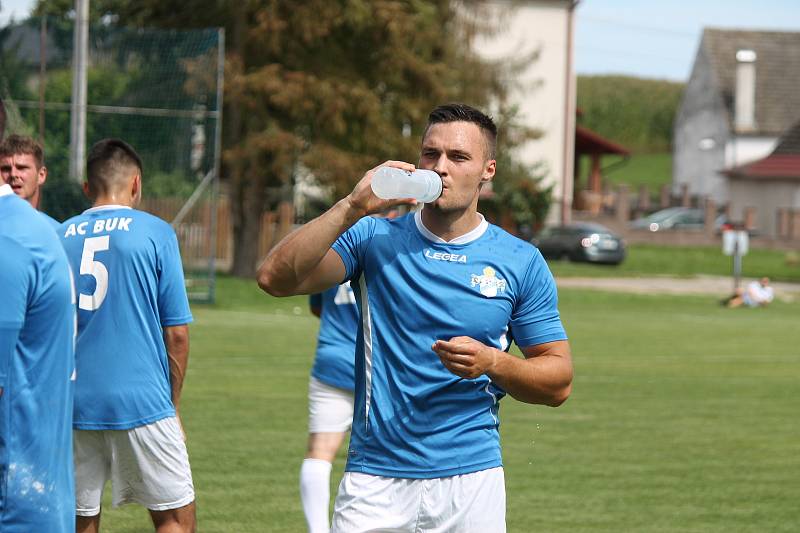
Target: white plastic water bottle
390	183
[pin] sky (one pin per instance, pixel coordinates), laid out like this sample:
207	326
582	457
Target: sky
634	37
660	39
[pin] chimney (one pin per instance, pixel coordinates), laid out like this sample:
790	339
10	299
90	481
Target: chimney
745	111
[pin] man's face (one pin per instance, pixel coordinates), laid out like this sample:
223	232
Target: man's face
457	151
20	171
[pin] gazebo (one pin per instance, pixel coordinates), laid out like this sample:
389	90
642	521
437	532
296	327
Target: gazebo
595	146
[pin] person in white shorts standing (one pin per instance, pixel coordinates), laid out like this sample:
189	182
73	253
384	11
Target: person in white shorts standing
132	349
330	399
441	294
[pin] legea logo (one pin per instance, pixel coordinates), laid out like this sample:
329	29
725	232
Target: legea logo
441	256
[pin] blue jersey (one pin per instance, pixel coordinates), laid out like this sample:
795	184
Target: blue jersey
55	224
412	417
130	285
37	335
336	343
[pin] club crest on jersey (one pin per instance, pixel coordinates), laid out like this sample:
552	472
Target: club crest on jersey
441	256
489	283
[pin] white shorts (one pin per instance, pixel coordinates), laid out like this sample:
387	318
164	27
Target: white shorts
147	465
330	409
469	503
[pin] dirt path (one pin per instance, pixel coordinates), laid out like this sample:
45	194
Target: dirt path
719	286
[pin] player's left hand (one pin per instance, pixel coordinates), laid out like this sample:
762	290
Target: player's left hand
465	357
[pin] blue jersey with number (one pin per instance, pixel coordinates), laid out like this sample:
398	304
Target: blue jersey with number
336	343
37	335
130	285
413	418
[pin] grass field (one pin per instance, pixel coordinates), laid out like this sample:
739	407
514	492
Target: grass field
683	418
649	260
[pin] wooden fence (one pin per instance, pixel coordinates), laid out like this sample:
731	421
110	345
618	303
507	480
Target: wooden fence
194	231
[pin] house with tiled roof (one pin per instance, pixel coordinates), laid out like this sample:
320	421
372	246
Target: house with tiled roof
770	185
741	96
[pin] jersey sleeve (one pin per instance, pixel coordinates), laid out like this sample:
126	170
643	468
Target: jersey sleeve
352	244
16	274
535	319
173	304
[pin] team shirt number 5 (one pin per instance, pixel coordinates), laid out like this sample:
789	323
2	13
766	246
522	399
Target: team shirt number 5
96	269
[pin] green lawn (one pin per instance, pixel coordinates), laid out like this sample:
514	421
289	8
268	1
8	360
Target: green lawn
649	260
683	418
653	170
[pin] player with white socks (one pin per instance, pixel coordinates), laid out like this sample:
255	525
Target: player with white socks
330	399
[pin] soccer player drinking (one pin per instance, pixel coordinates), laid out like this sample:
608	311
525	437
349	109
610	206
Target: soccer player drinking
442	293
37	362
132	349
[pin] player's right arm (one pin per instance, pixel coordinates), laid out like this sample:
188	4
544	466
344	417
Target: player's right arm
176	340
304	262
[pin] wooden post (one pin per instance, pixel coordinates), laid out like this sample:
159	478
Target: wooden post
782	223
665	198
749	218
710	217
267	233
794	224
686	199
285	219
595	177
623	204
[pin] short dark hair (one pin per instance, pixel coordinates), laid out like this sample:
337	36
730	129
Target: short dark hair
457	112
109	164
20	144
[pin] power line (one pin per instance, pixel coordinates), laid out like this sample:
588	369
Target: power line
637	27
588	48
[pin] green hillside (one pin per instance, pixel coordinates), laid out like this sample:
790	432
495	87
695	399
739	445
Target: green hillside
641	168
635	112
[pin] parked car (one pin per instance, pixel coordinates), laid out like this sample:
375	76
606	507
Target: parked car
672	218
581	241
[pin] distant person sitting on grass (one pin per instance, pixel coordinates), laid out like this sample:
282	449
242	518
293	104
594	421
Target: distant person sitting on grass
757	294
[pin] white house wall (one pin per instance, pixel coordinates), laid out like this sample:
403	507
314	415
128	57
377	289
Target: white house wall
541	90
700	135
741	150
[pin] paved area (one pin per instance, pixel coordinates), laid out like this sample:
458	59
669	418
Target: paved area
718	286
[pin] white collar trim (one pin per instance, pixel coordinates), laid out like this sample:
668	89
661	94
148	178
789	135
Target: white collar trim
6	189
468	237
105	208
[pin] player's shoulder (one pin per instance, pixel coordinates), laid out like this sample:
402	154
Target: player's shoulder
55	224
14	253
511	243
26	225
157	223
400	223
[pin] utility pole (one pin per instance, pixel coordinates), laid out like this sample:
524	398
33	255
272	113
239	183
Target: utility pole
80	56
42	74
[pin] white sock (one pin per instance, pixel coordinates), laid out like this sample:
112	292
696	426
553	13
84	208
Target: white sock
315	493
